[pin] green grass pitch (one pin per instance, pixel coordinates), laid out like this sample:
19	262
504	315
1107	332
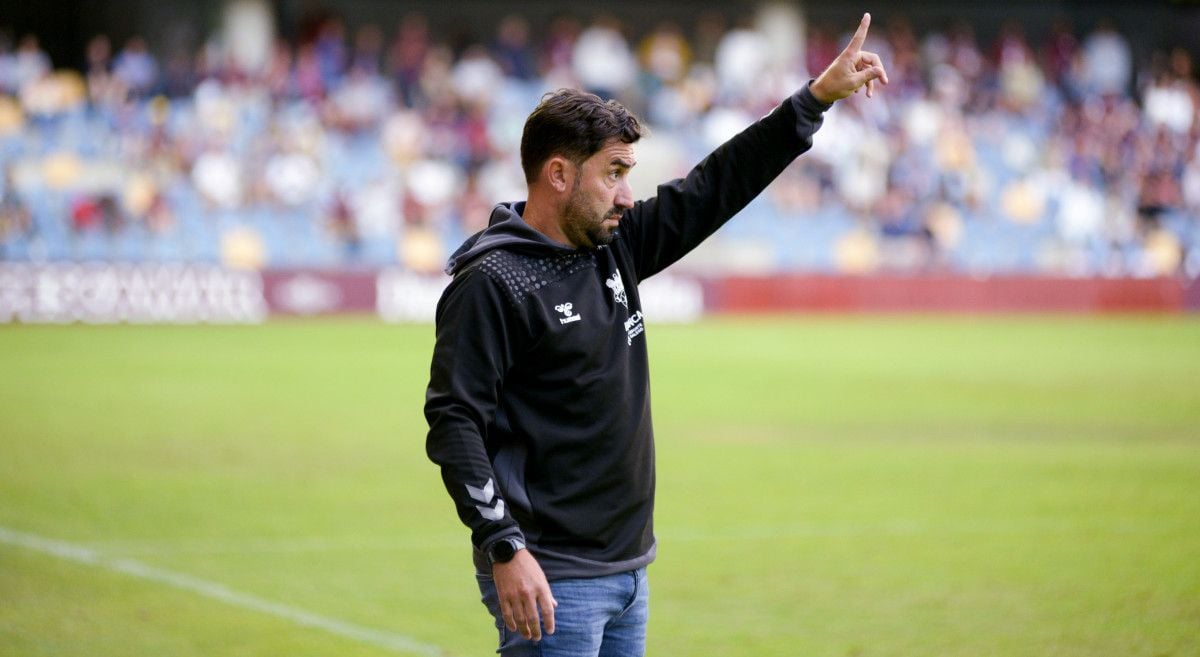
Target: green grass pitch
828	486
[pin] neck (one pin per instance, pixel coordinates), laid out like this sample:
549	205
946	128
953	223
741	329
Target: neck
543	216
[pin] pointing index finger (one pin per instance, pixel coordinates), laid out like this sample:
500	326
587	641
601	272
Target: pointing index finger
860	35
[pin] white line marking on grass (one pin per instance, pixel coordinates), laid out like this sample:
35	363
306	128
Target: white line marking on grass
215	591
168	547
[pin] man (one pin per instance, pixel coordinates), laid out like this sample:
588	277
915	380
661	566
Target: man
538	402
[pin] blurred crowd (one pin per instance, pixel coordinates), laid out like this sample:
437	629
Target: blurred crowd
1058	156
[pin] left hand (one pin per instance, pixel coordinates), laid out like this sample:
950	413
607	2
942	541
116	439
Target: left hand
852	69
523	590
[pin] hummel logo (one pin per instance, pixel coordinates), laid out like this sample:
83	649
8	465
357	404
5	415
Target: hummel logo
568	316
487	495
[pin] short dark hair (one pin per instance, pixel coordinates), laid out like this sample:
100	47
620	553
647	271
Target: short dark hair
576	125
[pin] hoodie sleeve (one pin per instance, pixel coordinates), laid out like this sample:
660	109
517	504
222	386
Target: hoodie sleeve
476	329
686	211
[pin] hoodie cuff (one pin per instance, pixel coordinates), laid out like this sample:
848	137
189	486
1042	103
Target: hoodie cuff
806	104
499	536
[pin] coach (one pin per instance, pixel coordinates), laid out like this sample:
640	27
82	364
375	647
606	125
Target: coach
539	402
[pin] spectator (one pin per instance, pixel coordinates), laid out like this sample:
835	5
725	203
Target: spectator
179	76
104	91
30	63
329	47
1190	185
741	49
360	102
218	178
341	224
406	58
96	211
821	48
135	68
1080	211
602	61
1059	53
664	56
1107	62
1169	100
512	51
292	178
15	220
278	77
1021	80
476	76
904	68
8	65
310	83
368	51
558	50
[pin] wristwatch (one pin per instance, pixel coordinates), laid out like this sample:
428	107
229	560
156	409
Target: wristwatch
503	550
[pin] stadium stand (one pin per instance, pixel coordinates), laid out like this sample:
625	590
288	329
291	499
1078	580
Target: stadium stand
1058	157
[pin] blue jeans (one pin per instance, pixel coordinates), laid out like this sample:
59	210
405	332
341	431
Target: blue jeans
595	617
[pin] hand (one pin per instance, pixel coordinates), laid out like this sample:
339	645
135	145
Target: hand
852	69
523	589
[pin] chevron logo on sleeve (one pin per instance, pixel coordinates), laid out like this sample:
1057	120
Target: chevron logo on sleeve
486	495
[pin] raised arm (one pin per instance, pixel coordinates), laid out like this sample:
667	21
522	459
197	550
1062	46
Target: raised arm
686	211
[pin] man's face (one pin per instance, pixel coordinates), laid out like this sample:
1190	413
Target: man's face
599	194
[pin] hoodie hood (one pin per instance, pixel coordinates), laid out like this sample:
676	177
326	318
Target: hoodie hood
506	229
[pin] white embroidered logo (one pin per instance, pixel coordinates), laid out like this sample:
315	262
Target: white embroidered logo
618	288
568	316
486	495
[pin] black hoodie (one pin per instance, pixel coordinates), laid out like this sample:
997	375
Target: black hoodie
539	396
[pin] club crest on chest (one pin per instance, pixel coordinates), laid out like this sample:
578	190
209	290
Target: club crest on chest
615	284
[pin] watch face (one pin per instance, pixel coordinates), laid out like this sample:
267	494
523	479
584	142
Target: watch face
503	551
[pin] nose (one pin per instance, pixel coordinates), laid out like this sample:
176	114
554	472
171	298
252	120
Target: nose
624	198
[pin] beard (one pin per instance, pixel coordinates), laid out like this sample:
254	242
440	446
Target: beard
584	226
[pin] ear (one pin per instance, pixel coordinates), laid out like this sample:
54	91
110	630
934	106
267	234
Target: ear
559	172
